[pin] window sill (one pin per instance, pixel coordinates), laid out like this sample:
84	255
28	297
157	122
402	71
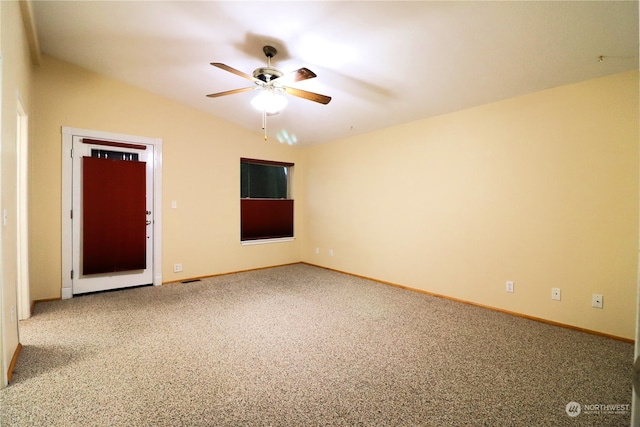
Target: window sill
265	241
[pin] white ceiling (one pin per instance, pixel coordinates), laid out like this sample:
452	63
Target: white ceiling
383	63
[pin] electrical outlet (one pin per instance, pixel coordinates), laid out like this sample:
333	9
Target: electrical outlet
596	301
555	294
12	316
330	252
317	251
509	286
177	268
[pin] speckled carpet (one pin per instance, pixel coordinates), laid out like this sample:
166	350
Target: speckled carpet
304	346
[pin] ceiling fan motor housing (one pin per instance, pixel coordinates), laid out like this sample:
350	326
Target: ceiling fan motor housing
266	74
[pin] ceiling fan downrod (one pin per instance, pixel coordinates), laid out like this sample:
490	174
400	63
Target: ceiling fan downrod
269	52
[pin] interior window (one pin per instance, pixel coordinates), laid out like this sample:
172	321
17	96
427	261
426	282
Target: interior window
266	205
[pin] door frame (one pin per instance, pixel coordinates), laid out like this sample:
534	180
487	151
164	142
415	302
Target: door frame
67	189
22	213
635	391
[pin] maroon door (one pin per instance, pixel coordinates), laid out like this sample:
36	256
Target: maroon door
114	215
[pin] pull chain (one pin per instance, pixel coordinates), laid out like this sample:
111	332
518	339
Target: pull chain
264	122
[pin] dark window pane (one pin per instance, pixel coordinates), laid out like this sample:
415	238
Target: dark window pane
263	181
113	155
244	180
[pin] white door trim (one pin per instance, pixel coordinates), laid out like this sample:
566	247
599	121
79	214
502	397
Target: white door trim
635	391
22	214
67	185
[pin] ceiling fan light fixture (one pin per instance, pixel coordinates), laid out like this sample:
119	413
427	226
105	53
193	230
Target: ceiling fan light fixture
269	101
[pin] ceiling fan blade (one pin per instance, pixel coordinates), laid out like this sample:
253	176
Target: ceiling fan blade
230	92
296	76
234	71
316	97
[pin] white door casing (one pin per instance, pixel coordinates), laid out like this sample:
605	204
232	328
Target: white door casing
635	395
73	151
22	214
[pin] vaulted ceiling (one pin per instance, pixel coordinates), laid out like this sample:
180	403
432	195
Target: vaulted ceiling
383	62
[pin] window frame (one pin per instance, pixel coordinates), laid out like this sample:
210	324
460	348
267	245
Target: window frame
266	219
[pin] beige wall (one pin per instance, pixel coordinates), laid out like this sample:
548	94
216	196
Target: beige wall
16	85
201	171
541	189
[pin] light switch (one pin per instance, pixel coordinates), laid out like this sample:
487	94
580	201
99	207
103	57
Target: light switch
174	204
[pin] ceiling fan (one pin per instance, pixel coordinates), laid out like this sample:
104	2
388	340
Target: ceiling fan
271	83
